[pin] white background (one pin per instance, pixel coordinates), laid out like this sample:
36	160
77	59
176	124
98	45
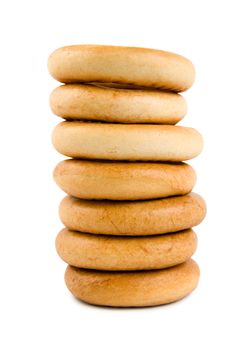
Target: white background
37	311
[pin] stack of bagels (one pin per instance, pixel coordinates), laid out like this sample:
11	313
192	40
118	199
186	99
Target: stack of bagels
129	213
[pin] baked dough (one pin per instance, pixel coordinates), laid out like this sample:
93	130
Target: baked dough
123	180
124	65
126	141
134	218
128	289
125	253
88	102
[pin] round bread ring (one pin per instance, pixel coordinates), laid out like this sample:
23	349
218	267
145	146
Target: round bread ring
75	101
136	218
117	253
126	141
123	180
123	65
133	289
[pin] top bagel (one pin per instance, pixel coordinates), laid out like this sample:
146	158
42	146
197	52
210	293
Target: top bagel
123	65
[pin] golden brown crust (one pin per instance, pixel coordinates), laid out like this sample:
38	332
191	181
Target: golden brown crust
126	141
89	102
134	218
133	289
123	181
124	65
125	253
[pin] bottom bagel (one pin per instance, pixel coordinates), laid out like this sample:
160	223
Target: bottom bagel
133	289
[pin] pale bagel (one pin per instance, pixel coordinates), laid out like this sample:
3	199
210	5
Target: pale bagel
141	288
123	180
88	102
124	65
126	141
134	218
125	253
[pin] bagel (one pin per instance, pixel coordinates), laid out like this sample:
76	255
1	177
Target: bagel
125	253
136	218
126	141
123	181
88	102
124	65
132	289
